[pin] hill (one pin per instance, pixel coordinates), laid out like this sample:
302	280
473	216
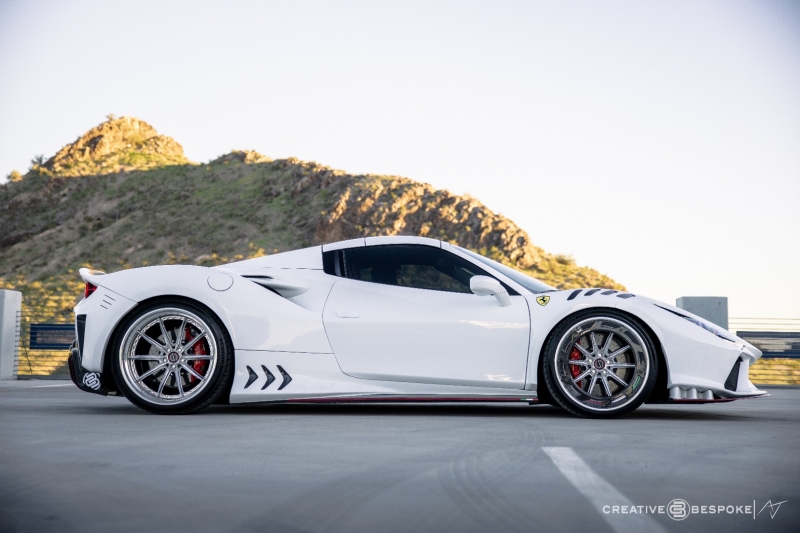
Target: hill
123	196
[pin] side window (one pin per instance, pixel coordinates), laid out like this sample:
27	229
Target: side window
406	265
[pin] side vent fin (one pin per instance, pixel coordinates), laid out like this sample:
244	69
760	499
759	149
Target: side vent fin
253	376
286	377
270	377
285	288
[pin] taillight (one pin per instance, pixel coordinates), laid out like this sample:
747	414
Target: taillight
89	289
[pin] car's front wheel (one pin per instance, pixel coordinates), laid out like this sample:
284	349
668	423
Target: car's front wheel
172	357
600	363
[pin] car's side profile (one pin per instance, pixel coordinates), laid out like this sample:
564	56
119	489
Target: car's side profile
391	319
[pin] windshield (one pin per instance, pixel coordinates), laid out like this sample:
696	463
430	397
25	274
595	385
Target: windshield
532	284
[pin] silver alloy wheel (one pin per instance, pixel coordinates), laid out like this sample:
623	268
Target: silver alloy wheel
602	364
168	356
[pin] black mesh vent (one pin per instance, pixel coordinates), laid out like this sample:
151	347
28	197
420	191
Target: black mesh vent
733	377
80	323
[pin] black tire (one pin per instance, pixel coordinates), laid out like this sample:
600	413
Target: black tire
191	371
584	346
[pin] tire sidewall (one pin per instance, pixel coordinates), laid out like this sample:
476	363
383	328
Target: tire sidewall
220	381
549	365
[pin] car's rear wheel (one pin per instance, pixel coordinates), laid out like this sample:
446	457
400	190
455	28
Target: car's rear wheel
600	363
172	357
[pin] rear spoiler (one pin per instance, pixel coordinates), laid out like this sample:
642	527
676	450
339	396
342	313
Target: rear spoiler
90	276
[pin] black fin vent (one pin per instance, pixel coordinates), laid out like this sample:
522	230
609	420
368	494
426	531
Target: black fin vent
733	377
286	377
270	377
253	376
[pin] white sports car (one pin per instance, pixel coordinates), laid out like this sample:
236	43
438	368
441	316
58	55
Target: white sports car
391	319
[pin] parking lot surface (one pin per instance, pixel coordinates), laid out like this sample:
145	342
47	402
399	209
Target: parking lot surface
71	461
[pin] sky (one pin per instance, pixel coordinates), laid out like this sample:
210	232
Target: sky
658	142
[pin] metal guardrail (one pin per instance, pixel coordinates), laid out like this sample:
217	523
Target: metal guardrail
43	346
763	324
51	336
44	342
774	343
775	337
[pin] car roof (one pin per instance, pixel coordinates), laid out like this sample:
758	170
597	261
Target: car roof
311	258
382	241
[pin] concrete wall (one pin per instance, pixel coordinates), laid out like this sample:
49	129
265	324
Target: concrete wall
712	308
10	306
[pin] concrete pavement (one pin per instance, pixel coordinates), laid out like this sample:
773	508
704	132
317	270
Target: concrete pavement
71	461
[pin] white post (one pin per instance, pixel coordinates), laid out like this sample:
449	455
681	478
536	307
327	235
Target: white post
10	308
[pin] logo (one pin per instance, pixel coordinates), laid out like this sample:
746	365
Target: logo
542	300
773	507
92	380
678	509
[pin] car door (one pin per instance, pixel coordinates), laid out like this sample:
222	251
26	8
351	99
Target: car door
406	313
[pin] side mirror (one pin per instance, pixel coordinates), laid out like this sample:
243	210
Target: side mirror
486	286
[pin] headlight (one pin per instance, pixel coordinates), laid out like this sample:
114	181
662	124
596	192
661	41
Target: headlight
708	326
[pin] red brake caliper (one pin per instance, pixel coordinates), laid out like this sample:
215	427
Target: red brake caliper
575	369
199	348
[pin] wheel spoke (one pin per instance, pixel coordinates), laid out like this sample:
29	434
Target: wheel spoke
579	362
164	381
592	384
594	342
620	365
604	379
167	340
607	344
194	341
580	377
619	380
151	372
619	352
197	357
193	372
146	357
179	382
583	350
181	333
152	341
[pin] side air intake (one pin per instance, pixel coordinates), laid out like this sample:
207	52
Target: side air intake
733	377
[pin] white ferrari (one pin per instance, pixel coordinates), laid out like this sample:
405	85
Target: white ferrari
391	319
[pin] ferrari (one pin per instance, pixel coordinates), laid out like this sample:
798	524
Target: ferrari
391	319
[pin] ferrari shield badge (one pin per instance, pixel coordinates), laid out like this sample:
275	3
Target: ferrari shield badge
542	300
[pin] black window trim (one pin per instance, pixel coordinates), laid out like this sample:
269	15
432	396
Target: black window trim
333	264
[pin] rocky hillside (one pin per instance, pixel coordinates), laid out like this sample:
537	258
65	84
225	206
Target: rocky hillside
116	145
123	196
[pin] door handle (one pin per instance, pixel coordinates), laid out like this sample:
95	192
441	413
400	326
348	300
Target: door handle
346	314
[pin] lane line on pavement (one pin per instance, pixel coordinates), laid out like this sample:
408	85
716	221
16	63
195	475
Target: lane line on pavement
599	492
38	386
